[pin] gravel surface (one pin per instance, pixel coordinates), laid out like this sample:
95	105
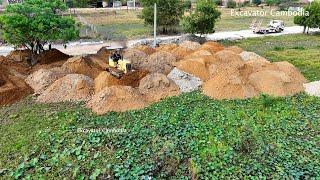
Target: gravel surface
312	88
185	81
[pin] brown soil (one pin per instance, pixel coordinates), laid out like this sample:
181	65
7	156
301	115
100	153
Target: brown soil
160	62
137	57
291	71
98	61
181	52
228	62
52	56
13	88
199	53
103	53
133	78
104	79
234	49
146	49
72	87
212	47
166	47
190	45
193	67
83	65
116	98
43	78
157	86
19	55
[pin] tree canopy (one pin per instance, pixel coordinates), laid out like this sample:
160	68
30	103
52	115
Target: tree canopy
203	19
169	13
311	21
33	23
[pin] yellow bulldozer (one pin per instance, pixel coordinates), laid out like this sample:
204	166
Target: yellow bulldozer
118	66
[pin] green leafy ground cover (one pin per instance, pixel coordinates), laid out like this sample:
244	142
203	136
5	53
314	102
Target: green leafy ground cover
189	136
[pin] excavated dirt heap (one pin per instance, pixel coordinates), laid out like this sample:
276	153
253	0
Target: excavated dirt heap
212	47
83	65
52	56
181	52
42	78
235	78
157	86
103	53
117	98
104	79
12	88
159	62
137	57
194	67
72	87
166	47
133	78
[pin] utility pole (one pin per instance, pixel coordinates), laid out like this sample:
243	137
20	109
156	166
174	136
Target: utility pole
155	26
134	4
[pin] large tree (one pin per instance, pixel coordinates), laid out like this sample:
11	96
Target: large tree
34	23
203	19
169	13
310	20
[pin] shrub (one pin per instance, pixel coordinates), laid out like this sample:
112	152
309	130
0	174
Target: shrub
202	20
187	4
231	4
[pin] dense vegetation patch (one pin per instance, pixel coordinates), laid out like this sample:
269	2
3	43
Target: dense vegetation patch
186	136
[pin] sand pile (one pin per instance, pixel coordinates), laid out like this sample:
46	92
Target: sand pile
159	62
133	78
312	88
104	79
19	55
195	68
72	87
137	57
146	49
51	56
166	47
212	47
41	79
12	88
234	49
190	45
185	81
82	65
116	98
157	86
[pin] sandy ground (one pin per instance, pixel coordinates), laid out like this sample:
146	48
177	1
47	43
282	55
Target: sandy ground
80	48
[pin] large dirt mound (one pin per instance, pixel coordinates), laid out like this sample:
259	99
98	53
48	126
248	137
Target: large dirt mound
198	69
116	98
157	86
251	56
190	45
103	53
291	71
51	56
12	88
199	53
160	62
42	78
72	87
98	61
19	69
228	61
137	57
276	83
104	79
83	65
146	49
228	86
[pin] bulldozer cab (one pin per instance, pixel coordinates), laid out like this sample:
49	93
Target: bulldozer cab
118	64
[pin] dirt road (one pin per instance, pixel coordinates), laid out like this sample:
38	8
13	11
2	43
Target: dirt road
80	48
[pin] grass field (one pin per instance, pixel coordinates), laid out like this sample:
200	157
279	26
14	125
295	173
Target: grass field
184	137
127	24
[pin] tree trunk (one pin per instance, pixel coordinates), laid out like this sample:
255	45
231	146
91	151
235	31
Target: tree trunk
304	29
